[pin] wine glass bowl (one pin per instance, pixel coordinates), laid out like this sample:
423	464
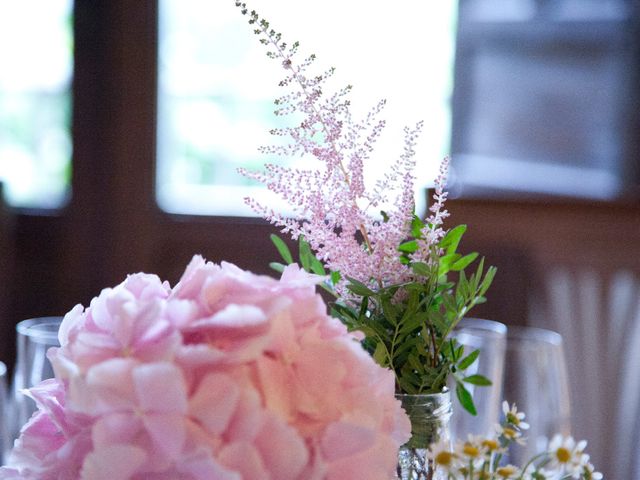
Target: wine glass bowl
34	337
490	337
536	380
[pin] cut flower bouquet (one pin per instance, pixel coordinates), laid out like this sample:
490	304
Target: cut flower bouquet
396	278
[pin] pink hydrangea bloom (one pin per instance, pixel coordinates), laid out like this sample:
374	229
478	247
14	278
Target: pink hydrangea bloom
228	375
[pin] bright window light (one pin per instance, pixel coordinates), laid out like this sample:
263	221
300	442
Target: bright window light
216	88
36	64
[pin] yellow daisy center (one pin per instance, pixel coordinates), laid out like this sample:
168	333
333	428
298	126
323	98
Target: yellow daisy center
510	432
506	472
513	419
490	445
444	458
563	455
470	450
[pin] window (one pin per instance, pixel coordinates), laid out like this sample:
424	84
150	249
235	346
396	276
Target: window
546	99
35	101
216	87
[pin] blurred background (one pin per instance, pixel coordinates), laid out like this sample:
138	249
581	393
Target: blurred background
122	124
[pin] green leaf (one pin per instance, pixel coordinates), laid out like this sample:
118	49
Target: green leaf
453	351
305	254
451	240
363	307
488	278
415	363
316	266
284	251
278	267
421	268
463	285
408	247
446	261
475	279
465	399
416	226
335	277
464	262
345	314
359	288
389	310
479	380
380	355
468	360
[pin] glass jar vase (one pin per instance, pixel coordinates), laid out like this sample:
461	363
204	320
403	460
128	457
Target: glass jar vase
429	414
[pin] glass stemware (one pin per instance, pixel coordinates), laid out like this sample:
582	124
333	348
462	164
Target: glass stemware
490	337
536	381
34	337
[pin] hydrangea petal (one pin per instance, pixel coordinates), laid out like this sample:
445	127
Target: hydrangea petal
342	439
282	463
167	432
160	387
114	462
215	401
244	458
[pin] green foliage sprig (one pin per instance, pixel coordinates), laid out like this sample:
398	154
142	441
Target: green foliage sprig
407	326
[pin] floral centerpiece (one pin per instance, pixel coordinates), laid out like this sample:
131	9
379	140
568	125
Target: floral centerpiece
228	376
234	376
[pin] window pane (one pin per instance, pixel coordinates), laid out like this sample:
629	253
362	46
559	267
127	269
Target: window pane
36	63
216	87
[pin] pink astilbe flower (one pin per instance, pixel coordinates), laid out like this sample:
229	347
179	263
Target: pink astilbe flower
227	375
434	232
333	210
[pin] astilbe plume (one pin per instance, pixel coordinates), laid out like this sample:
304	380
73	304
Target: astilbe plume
228	376
333	210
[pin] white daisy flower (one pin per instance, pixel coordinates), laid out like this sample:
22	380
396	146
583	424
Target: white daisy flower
442	455
513	416
491	446
567	455
510	434
472	452
589	473
507	471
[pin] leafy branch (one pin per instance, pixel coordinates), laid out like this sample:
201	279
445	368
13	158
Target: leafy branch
408	326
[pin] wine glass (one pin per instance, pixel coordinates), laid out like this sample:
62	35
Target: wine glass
34	337
536	381
490	337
